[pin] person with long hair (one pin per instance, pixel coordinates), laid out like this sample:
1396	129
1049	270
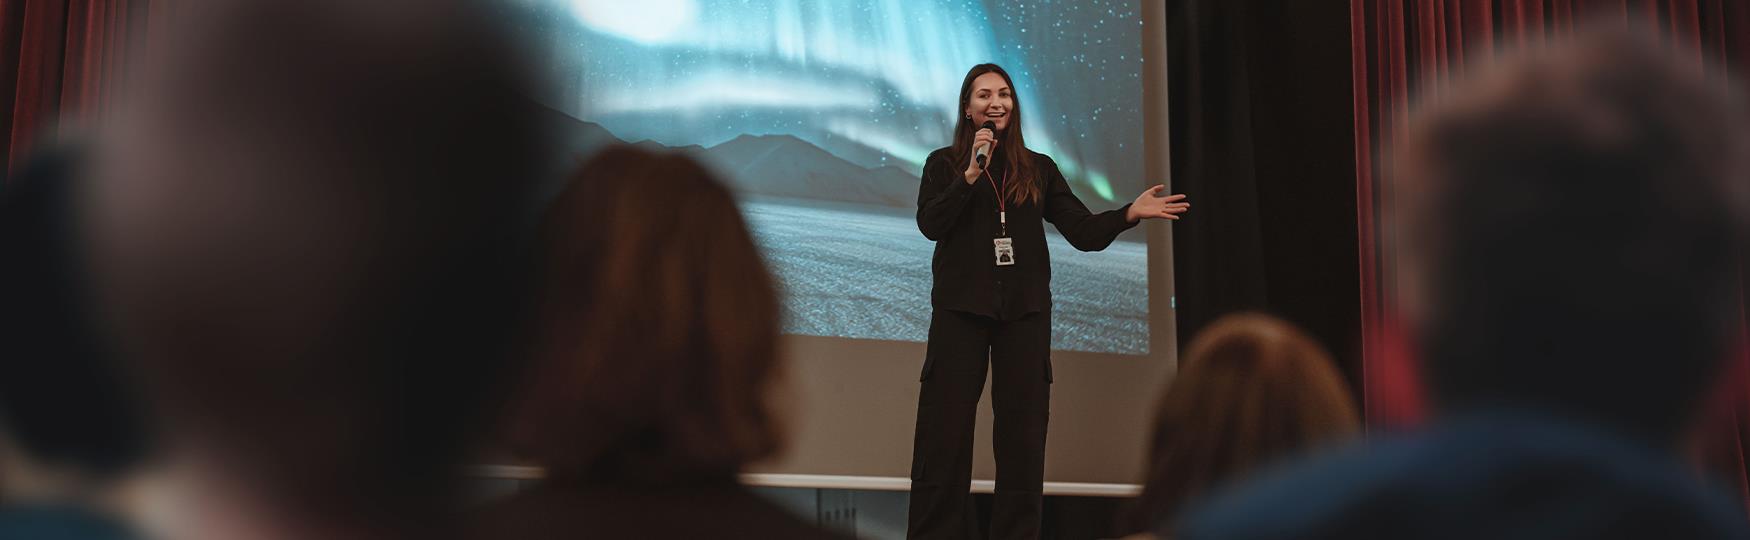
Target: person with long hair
656	362
984	201
1253	390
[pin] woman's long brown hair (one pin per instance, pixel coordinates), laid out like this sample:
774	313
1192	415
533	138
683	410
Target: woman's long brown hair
1023	185
1253	389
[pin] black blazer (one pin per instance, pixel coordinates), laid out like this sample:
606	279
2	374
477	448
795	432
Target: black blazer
962	219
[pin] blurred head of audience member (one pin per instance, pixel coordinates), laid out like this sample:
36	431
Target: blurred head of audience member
659	330
1573	217
1252	390
70	429
657	362
1573	221
305	228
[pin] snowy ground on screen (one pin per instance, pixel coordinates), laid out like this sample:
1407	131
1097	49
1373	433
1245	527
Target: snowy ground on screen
863	272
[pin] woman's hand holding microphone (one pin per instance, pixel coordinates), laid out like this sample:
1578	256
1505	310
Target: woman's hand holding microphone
985	138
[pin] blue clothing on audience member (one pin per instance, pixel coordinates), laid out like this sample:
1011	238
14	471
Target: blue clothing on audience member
1499	475
56	522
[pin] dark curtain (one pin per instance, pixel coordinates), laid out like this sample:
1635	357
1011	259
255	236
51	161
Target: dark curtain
1262	143
1401	47
63	59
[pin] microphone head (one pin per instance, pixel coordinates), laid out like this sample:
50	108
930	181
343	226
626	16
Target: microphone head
982	149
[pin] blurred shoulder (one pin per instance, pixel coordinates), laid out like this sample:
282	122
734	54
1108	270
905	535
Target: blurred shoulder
1291	499
1477	480
59	522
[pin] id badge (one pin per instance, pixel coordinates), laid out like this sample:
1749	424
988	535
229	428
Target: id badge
1005	251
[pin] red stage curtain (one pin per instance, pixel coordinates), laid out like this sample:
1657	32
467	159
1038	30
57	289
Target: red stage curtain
63	58
1401	47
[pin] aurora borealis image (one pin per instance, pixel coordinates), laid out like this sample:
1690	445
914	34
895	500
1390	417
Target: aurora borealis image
820	114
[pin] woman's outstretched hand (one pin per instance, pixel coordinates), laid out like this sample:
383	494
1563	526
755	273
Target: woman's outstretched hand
1150	205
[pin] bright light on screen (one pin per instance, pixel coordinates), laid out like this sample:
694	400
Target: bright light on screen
821	113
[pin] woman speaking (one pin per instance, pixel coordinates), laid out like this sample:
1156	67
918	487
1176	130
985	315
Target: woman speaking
983	201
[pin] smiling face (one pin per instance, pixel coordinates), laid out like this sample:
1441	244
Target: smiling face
991	99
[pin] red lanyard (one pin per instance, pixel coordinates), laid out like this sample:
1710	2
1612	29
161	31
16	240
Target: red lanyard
1002	207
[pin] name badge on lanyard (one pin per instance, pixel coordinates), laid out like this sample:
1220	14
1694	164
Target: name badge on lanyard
1005	251
1005	246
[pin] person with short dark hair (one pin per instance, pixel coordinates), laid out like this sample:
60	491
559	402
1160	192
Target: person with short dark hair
656	362
1574	216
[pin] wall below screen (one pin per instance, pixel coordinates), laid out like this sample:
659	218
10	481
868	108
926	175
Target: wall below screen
852	406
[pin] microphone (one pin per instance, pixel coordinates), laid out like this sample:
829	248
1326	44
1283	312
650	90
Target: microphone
984	149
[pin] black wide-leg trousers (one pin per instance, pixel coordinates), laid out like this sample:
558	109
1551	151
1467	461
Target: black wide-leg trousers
1018	355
